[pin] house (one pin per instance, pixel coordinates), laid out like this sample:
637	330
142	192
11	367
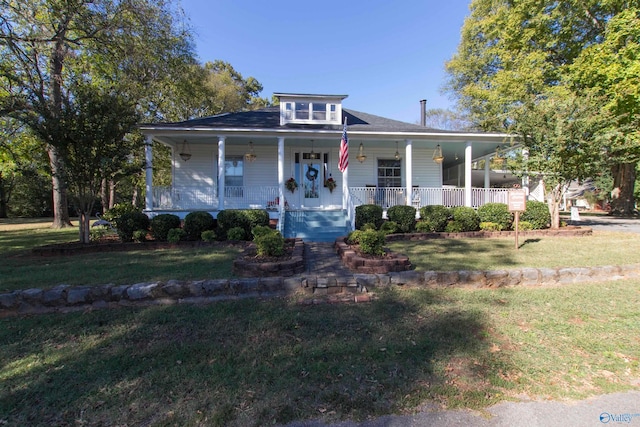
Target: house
243	161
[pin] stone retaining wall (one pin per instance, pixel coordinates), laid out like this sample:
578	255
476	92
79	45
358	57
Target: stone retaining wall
69	298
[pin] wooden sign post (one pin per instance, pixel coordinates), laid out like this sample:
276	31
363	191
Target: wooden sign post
517	203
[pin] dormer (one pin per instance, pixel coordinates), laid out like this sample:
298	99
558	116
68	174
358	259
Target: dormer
310	109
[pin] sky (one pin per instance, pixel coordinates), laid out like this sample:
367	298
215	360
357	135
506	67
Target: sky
385	55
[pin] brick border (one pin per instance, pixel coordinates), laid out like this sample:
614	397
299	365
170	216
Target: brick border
287	268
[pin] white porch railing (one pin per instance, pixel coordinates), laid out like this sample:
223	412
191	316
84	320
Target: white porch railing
252	197
187	198
481	196
425	196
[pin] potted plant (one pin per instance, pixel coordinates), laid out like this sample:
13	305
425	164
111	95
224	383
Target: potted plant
330	183
291	184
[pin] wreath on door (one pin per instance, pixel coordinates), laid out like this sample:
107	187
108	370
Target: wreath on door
312	173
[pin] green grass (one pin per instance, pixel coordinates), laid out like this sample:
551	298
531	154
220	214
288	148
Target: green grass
20	269
252	362
602	248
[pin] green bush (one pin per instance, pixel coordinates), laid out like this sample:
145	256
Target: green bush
129	222
435	217
466	217
524	226
269	242
389	227
368	214
236	233
247	219
496	213
490	226
536	213
404	216
208	236
175	235
424	227
369	226
161	224
453	227
114	214
372	242
140	235
354	237
197	222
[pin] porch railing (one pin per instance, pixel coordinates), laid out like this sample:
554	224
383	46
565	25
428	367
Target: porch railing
425	196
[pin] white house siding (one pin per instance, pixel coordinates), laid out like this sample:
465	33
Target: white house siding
194	180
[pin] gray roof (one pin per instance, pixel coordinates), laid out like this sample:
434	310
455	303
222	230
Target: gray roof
269	118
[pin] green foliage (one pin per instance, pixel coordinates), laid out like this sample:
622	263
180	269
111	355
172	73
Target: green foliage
175	235
114	214
524	226
537	214
453	227
404	216
372	242
490	226
435	217
269	242
197	222
208	236
97	233
236	233
140	235
130	222
161	224
424	227
354	237
369	226
496	213
247	219
389	227
466	218
366	214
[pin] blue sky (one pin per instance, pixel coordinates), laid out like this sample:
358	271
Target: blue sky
385	55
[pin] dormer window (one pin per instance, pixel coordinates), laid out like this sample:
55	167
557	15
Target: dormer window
310	109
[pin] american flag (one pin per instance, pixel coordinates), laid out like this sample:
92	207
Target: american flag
344	149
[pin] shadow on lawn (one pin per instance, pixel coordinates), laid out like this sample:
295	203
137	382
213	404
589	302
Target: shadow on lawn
245	363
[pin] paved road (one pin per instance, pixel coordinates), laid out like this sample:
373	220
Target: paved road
606	223
619	409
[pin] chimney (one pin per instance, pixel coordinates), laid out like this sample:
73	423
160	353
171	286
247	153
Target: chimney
423	112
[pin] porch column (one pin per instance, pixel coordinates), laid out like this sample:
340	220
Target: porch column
468	154
487	171
281	173
221	160
148	177
525	177
409	168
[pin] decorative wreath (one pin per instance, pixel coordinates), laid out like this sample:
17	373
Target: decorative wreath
291	184
330	184
312	173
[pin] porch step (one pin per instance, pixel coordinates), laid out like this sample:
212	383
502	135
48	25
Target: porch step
316	226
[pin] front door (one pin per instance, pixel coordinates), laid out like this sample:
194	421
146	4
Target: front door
311	177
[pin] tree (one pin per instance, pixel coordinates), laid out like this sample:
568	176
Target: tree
513	52
134	45
439	118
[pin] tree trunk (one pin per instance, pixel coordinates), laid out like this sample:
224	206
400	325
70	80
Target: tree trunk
112	193
3	198
104	195
554	200
624	179
60	205
84	226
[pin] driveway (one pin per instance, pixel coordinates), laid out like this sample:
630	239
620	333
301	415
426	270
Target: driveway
607	223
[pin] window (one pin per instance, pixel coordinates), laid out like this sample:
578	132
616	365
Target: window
389	173
332	112
302	111
288	111
233	176
319	111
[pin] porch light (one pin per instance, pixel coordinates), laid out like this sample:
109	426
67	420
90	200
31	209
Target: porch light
185	153
397	155
250	156
312	155
437	155
361	157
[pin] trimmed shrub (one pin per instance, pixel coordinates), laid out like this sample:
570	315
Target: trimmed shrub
466	218
490	226
140	235
161	224
536	213
197	222
435	217
129	222
175	235
389	227
236	233
247	219
453	227
524	226
114	214
354	237
208	236
372	242
269	242
369	226
404	216
424	227
368	214
496	213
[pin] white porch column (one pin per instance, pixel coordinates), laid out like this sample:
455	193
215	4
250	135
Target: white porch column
468	154
221	159
281	172
487	171
148	177
409	168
